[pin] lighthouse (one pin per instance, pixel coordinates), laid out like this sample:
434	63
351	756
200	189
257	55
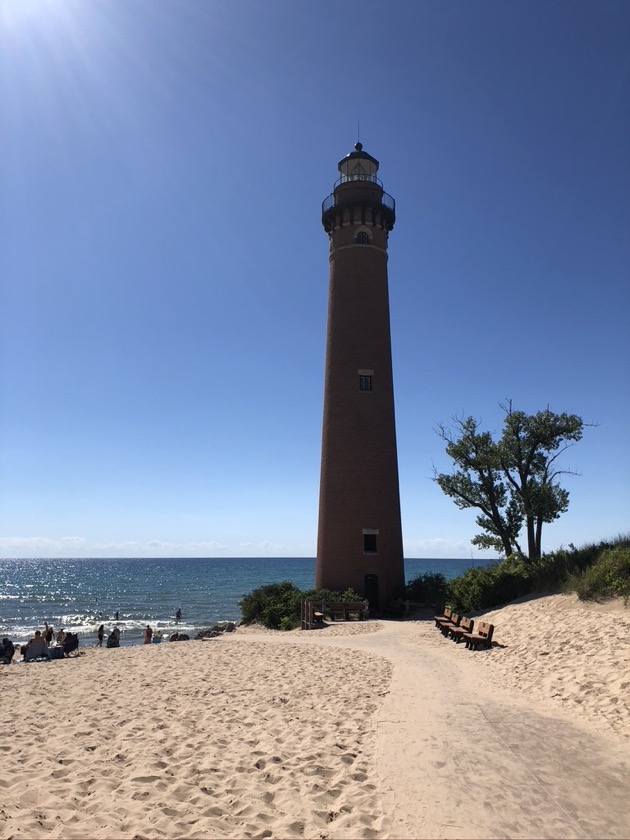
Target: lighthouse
359	539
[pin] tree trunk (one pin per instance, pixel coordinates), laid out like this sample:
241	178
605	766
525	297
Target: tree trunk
531	539
539	524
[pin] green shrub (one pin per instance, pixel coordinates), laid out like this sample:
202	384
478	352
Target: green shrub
560	570
550	572
490	586
428	588
472	590
582	558
270	604
595	571
349	596
317	595
278	605
608	577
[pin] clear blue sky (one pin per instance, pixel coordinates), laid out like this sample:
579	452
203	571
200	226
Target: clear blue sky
164	271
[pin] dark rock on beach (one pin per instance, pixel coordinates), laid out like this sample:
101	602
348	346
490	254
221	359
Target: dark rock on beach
216	630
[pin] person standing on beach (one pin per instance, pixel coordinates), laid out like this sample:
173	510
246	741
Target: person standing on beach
101	633
148	635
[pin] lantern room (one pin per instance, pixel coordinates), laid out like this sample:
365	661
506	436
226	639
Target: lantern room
358	166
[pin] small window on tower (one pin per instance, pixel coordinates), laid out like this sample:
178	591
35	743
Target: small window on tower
369	544
363	238
365	382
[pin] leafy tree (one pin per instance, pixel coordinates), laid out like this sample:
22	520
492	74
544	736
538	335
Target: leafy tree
511	481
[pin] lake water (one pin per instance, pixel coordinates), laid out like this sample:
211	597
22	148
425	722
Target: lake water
78	595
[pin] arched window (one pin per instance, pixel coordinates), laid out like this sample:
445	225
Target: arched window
363	238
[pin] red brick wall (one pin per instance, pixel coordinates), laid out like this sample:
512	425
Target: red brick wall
359	468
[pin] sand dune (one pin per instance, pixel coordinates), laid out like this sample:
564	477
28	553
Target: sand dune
567	654
352	731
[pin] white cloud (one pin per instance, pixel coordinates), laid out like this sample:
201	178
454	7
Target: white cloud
265	546
76	546
26	544
186	548
438	547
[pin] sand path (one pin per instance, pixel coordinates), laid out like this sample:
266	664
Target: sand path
459	756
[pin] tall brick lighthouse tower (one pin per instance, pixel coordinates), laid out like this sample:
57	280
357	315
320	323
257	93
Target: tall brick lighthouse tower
359	541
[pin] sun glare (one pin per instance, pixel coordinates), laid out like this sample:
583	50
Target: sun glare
64	63
17	16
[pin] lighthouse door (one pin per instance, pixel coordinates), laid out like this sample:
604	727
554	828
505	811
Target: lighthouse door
370	590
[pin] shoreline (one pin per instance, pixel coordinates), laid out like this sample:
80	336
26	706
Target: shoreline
79	595
351	731
131	636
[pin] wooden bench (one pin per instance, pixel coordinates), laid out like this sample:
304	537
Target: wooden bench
446	616
394	610
447	626
344	611
311	615
481	637
466	625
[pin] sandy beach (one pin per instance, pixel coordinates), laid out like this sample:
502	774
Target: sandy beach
361	730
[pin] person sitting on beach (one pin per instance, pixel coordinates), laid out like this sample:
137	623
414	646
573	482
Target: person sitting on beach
148	635
70	643
36	647
7	649
114	638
